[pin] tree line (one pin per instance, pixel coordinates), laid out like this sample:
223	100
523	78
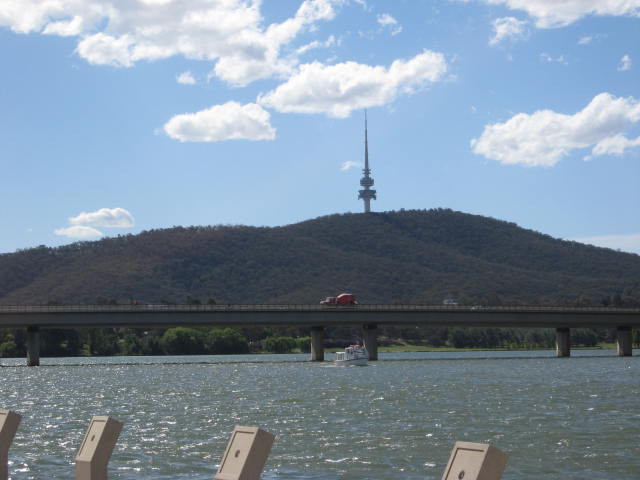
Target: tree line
224	341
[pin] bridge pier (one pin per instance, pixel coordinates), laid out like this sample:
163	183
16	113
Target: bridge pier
625	344
33	346
563	342
370	339
317	345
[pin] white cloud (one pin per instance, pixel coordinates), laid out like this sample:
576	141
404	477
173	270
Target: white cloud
545	57
389	22
331	41
186	78
615	145
78	231
544	137
229	121
554	13
591	38
507	27
350	164
121	33
338	89
625	63
364	5
65	28
102	49
626	243
105	217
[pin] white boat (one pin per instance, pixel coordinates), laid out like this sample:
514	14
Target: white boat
352	355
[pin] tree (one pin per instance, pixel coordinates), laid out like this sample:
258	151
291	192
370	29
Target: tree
584	337
9	348
225	341
183	341
279	344
103	342
459	338
304	344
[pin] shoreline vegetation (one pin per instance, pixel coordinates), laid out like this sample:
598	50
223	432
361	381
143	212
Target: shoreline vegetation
102	342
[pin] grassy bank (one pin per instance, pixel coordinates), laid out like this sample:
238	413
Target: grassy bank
426	348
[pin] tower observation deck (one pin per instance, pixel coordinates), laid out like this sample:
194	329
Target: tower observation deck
367	194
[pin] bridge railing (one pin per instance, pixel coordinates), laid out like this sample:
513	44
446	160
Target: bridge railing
159	308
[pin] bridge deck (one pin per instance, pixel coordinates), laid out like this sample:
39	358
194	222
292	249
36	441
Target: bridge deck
67	316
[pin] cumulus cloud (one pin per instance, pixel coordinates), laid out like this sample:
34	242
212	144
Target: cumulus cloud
625	63
105	217
615	145
544	137
338	89
387	21
82	225
553	14
78	231
350	164
186	78
229	121
626	243
65	28
229	32
507	27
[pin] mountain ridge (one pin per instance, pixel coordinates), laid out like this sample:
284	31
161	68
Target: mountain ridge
414	256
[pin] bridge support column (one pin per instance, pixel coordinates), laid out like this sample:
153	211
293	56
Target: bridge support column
563	342
33	346
317	345
625	344
370	338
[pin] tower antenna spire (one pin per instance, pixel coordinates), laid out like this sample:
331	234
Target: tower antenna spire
366	146
367	194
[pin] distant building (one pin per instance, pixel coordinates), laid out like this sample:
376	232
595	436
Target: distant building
449	301
367	182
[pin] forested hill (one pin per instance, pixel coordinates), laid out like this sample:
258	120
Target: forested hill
406	256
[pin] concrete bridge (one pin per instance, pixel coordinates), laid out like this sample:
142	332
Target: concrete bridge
317	317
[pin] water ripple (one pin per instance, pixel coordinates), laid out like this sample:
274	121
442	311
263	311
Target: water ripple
558	418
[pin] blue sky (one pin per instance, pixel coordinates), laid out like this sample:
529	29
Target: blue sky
122	116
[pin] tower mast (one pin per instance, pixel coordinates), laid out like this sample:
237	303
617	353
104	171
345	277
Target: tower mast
366	181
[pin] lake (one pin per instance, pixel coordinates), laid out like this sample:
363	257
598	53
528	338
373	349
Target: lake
558	418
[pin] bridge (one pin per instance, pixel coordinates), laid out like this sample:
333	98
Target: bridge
317	317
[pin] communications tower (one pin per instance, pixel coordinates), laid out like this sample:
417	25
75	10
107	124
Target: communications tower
367	182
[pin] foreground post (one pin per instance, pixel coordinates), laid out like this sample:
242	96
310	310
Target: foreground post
96	448
317	346
563	342
8	425
246	454
370	338
33	346
625	344
475	461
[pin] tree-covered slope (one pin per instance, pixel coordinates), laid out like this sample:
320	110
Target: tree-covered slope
406	256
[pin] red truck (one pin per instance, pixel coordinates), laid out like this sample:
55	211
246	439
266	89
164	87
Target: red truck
342	299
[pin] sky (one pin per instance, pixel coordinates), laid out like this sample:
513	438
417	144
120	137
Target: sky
129	115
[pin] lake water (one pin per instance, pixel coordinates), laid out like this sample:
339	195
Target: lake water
559	418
